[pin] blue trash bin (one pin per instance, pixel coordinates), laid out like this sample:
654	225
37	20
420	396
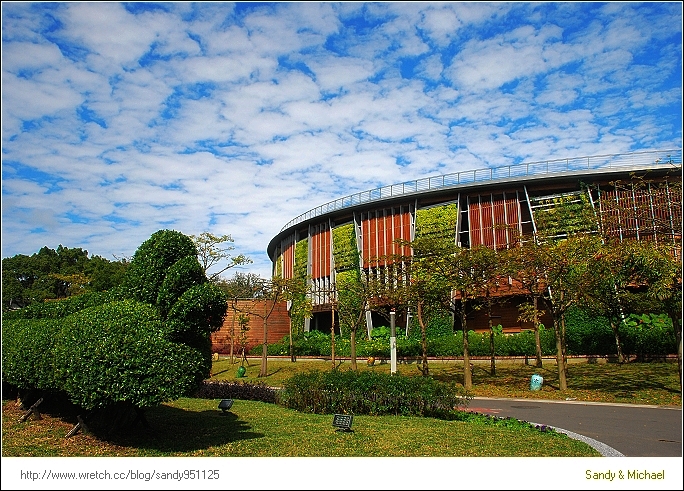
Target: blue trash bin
536	382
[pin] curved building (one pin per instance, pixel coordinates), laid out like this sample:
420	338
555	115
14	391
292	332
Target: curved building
633	195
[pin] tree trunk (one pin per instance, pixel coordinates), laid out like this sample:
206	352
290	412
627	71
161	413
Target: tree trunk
293	358
232	336
232	344
332	337
564	346
352	348
423	339
467	374
263	371
562	381
492	354
676	318
537	338
614	327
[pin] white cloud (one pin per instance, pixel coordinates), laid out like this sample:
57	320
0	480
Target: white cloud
209	119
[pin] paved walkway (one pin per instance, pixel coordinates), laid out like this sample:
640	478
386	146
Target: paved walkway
614	429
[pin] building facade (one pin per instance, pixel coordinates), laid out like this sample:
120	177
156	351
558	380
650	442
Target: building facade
630	196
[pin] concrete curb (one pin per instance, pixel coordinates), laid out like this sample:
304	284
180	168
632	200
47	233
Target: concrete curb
602	448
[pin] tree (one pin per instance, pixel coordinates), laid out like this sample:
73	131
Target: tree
609	277
210	252
431	285
660	268
299	306
565	264
475	274
241	285
270	293
355	295
524	264
439	279
104	274
53	274
486	266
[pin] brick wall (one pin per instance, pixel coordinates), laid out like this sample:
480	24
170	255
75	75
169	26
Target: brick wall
278	325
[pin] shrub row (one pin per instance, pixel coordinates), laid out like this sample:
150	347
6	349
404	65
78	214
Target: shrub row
643	336
368	392
227	389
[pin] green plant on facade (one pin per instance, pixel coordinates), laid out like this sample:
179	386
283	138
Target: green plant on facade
565	215
437	221
279	267
345	248
347	276
300	303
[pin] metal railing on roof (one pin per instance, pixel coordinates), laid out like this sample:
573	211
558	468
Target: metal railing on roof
653	158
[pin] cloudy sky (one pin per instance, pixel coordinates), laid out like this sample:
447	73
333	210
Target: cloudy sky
120	119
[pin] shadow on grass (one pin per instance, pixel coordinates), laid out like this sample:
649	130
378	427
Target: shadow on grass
274	372
619	381
176	430
622	383
165	429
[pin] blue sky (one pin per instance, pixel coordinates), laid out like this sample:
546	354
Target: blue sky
120	119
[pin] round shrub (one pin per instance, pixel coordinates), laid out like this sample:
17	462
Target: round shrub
27	346
119	352
202	309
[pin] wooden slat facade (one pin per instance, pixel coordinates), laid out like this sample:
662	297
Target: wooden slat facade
379	231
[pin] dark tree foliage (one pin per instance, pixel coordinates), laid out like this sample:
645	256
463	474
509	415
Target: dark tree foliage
54	274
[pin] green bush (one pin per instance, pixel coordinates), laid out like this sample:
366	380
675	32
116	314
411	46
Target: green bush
648	335
56	309
380	332
144	343
151	262
27	345
440	324
642	335
183	275
368	392
227	389
446	345
586	334
119	352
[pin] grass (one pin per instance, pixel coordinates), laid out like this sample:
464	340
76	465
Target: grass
195	427
631	383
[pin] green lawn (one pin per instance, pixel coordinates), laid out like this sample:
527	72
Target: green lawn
631	383
195	427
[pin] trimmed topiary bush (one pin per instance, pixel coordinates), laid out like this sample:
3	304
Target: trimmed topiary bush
152	261
143	344
119	352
